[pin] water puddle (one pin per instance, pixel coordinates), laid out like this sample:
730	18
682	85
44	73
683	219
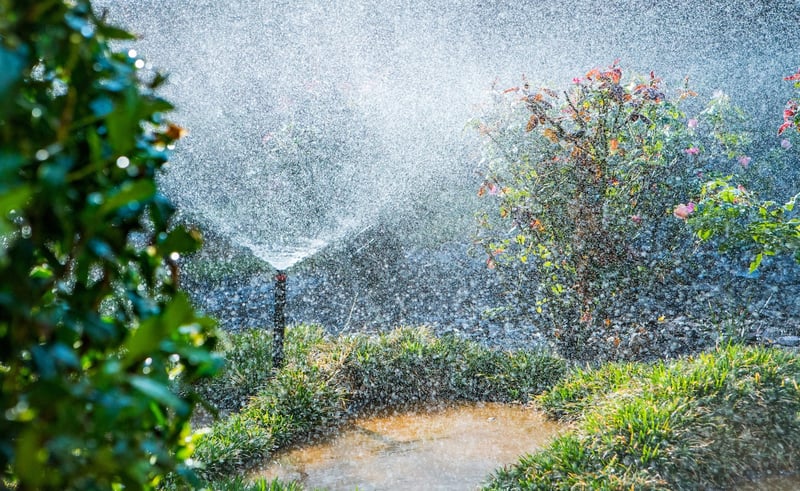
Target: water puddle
453	448
778	483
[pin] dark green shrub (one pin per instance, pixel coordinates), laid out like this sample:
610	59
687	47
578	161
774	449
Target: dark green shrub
411	366
504	376
92	328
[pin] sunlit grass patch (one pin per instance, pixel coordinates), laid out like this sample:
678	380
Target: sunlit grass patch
241	484
231	444
702	422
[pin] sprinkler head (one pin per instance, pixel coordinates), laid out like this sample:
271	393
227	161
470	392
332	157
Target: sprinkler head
279	319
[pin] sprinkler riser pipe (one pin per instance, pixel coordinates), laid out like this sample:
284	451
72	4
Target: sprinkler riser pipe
279	320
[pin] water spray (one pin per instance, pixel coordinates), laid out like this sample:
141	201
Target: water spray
279	320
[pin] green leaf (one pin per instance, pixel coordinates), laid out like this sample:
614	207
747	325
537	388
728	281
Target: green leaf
159	392
102	106
705	234
123	121
155	106
30	457
12	200
42	272
111	32
130	192
178	312
144	340
756	262
65	355
101	249
13	63
181	240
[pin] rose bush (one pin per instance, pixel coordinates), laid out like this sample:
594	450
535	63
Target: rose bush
583	184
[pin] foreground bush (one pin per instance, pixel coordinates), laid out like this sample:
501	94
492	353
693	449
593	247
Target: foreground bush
696	423
327	381
92	327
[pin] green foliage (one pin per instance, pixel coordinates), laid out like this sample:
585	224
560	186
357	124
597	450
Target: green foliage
241	484
584	183
696	423
300	403
731	216
92	329
327	381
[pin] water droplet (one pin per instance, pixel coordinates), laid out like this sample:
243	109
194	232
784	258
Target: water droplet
139	64
42	155
132	53
36	112
123	162
174	256
95	199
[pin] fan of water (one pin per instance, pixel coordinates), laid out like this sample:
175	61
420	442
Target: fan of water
311	120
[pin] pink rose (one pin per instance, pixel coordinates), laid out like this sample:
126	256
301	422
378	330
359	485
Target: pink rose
683	211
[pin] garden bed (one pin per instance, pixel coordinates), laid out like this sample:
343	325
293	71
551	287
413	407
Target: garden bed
707	421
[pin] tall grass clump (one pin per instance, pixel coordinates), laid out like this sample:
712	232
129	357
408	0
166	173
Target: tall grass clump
240	484
327	381
702	422
411	366
248	357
